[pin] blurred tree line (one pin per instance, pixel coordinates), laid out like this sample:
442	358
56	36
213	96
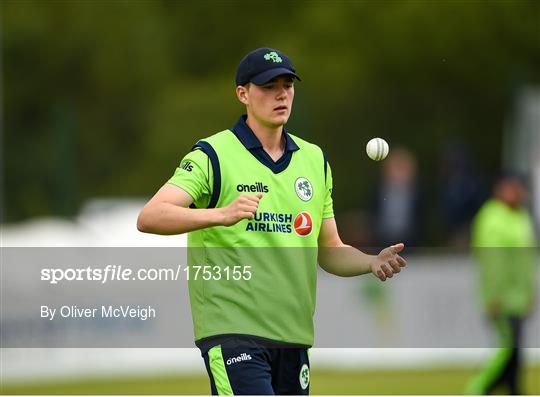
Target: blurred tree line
103	98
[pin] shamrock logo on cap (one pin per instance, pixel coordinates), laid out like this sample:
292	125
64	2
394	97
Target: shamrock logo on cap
273	56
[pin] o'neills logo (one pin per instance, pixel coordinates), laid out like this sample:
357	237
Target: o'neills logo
241	357
187	166
257	187
303	224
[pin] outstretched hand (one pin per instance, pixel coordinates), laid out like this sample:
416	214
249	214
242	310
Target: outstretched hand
388	262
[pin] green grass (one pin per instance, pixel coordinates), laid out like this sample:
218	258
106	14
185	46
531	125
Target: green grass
439	381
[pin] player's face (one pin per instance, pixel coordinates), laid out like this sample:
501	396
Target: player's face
270	104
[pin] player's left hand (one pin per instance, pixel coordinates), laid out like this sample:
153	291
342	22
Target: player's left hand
388	262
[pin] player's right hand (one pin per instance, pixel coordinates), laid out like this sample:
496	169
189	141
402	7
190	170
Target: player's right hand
243	207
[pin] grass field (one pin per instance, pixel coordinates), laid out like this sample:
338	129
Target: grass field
439	381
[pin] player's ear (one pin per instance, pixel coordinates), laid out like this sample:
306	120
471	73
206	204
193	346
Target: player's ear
242	94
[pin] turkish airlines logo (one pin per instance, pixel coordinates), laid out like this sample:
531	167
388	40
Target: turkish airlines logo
303	224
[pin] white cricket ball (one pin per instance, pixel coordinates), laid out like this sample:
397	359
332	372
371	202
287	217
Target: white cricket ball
377	149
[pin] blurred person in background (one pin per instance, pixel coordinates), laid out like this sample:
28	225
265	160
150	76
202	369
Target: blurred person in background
396	213
536	190
397	205
462	192
502	241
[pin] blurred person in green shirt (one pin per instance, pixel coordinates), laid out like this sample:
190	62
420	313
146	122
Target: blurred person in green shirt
503	244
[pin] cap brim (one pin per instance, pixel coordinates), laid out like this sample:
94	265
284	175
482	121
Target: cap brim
268	75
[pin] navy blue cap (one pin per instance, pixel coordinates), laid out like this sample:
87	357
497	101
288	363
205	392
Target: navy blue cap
262	65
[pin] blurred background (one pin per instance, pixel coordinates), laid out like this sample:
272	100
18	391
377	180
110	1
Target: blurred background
101	100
